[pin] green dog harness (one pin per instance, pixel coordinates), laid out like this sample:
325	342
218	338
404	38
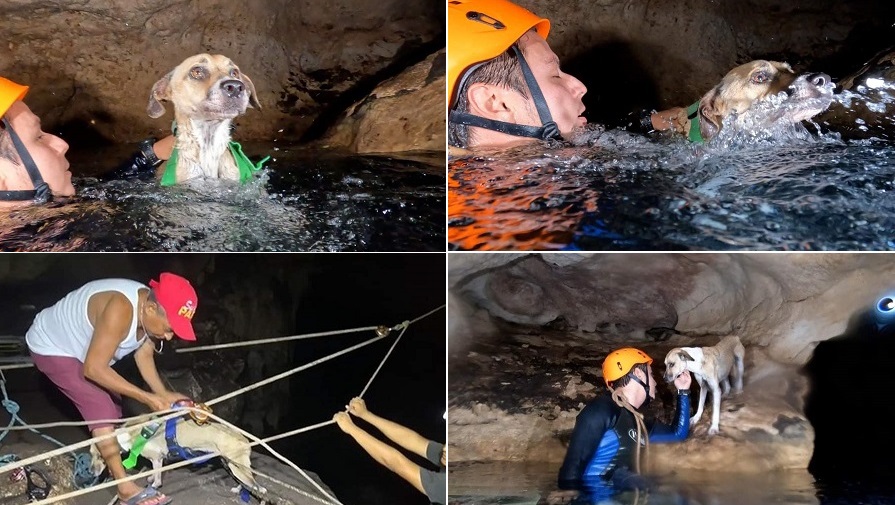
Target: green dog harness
695	134
243	163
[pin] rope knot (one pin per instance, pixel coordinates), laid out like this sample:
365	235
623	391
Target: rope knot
11	406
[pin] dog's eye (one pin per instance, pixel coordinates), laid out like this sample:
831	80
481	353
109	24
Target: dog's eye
234	73
197	73
761	78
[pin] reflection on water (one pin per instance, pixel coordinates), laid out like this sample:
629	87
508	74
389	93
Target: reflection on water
767	189
304	201
528	483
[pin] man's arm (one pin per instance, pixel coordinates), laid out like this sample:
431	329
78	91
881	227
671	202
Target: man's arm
405	437
385	455
111	327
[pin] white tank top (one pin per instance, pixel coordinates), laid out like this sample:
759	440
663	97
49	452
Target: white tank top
65	330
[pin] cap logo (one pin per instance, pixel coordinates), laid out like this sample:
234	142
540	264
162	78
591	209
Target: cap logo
187	310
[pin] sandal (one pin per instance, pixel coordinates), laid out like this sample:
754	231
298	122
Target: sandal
148	496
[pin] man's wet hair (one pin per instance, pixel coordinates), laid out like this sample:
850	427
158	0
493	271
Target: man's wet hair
503	70
7	149
625	379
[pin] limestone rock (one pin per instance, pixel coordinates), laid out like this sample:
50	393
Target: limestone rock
405	113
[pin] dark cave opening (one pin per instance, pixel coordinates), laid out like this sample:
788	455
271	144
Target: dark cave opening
849	402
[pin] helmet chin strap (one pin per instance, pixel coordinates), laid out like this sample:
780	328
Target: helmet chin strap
645	390
548	131
41	192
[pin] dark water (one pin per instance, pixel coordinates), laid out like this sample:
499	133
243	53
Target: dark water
530	483
304	201
784	189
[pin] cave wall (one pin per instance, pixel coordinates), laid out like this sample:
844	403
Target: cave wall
92	63
785	302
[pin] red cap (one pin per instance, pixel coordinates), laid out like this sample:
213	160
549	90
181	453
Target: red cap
178	298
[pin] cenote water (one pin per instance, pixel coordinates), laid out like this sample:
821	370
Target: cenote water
530	483
756	189
302	201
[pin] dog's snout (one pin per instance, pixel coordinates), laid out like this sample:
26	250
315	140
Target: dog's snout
232	87
819	79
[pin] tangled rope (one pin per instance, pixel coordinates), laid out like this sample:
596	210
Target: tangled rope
172	413
81	475
622	402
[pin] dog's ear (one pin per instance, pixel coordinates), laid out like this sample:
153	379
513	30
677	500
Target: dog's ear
253	98
711	113
161	91
685	356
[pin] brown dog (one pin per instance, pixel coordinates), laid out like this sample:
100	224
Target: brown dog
207	91
733	102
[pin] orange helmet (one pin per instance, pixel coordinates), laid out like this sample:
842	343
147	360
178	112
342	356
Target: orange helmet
620	362
479	30
10	92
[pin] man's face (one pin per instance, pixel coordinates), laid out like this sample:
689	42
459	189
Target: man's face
652	382
562	91
48	152
156	324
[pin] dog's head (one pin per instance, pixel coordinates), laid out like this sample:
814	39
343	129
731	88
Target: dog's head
676	362
204	86
804	95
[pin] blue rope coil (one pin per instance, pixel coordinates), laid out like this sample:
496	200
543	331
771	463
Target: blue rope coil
82	475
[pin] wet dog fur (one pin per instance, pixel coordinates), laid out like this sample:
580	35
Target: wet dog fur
730	101
713	367
207	92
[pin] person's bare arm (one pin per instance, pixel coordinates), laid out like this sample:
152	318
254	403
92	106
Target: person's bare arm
403	436
384	454
110	329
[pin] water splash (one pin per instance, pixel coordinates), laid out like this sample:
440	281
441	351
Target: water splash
306	201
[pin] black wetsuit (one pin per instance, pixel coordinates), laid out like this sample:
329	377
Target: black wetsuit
600	458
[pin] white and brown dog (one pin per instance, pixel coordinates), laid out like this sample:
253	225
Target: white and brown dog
202	438
757	94
713	367
208	91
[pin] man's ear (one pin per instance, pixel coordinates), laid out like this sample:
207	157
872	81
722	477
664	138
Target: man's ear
492	102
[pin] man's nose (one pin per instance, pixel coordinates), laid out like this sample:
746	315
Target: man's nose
578	88
59	145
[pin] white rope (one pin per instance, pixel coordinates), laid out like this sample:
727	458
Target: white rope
172	413
405	324
273	340
275	453
276	481
293	371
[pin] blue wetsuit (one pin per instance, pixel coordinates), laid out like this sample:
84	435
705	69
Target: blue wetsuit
600	458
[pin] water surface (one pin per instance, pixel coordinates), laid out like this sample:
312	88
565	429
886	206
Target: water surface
303	201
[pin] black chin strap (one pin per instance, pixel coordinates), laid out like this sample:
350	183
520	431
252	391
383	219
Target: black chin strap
41	192
645	389
548	131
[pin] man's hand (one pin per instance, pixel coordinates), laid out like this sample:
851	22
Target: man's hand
171	397
682	381
561	496
344	421
358	407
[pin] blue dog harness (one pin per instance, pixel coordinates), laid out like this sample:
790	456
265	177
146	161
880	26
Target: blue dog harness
175	451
